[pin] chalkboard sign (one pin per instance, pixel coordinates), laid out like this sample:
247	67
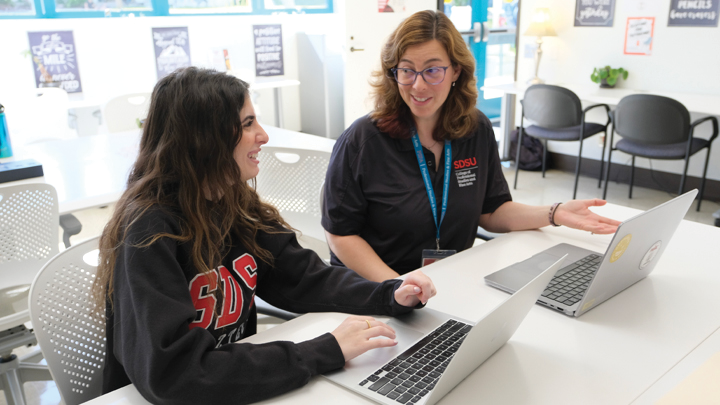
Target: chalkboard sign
54	60
268	50
594	13
693	13
172	49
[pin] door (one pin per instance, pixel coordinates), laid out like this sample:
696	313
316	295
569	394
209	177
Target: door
490	31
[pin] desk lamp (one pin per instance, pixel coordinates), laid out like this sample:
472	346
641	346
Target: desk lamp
539	27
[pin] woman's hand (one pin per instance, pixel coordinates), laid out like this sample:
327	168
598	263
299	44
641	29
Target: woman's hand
416	288
575	214
355	335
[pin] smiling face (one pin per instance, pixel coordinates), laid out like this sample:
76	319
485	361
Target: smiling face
253	136
425	100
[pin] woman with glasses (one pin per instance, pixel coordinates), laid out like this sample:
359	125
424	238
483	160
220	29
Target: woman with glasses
410	182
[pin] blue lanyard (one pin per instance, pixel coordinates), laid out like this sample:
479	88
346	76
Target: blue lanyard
428	184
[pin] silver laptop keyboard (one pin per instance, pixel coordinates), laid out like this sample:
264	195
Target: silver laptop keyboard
573	280
412	374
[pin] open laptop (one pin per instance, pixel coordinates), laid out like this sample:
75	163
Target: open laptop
590	278
436	351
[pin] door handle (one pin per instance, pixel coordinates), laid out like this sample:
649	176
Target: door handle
353	49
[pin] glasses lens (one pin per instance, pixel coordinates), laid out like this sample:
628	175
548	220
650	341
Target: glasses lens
405	76
434	75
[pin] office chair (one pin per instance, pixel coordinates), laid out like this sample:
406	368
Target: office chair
28	239
557	115
69	329
123	113
657	127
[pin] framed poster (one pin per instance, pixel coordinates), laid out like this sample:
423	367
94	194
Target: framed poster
684	13
268	50
594	13
172	49
639	35
54	60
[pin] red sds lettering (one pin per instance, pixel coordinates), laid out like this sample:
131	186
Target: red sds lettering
232	300
246	267
201	290
459	164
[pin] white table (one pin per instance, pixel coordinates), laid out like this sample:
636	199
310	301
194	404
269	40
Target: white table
611	355
91	171
697	103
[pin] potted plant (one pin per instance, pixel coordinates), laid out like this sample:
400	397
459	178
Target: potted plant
607	76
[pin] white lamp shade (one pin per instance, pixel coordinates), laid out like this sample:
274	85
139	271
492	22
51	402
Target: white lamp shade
540	25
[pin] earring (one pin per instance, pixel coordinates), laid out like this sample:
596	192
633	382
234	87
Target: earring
453	84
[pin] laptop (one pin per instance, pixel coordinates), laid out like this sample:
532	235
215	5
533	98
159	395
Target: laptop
591	278
436	351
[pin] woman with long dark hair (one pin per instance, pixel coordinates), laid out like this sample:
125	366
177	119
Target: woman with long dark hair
412	181
189	246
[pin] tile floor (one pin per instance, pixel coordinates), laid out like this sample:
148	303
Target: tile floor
532	189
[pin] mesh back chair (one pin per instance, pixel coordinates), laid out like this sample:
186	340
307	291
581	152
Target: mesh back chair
28	239
657	127
292	180
70	330
557	115
124	112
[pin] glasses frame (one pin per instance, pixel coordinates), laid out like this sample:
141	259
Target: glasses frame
420	73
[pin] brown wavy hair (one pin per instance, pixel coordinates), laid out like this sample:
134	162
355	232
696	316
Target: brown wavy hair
186	149
458	116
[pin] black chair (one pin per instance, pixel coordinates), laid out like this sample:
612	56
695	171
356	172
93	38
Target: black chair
557	115
657	127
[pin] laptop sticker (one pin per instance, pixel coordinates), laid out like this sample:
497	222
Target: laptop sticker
620	248
650	255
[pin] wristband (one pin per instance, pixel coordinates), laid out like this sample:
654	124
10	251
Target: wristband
551	213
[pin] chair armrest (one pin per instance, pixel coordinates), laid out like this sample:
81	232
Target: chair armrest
711	118
607	111
70	226
266	309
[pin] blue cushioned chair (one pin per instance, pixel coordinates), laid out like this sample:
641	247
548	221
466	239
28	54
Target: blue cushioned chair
657	127
557	115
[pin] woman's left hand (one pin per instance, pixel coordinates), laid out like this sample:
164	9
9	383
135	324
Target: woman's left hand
575	214
416	288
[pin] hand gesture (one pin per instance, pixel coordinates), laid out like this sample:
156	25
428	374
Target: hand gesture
575	214
416	288
355	335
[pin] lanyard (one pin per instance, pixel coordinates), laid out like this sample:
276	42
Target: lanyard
428	184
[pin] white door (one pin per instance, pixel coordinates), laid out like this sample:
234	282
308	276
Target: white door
366	30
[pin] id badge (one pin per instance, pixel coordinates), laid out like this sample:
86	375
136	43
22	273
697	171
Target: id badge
430	256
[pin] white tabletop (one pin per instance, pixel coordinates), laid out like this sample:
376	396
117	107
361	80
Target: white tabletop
699	103
91	171
611	355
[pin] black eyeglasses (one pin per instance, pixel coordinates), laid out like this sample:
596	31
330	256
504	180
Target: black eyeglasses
432	75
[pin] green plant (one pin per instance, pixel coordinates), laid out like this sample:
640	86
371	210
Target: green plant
608	74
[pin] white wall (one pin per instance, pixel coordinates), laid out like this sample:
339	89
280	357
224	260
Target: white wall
116	56
684	59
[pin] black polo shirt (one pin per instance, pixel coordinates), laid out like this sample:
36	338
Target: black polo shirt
373	188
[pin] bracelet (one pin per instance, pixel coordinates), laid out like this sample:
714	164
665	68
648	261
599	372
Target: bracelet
551	213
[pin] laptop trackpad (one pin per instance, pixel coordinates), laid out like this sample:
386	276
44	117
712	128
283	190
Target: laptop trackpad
515	277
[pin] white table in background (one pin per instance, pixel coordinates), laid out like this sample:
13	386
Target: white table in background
92	171
592	93
611	355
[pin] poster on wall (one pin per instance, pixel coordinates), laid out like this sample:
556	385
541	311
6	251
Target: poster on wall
268	50
594	13
54	60
639	35
392	6
686	13
172	49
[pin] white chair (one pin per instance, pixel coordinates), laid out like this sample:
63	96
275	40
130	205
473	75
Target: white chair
28	239
69	329
292	180
123	113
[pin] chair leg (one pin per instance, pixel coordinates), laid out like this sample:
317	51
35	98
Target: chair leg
632	176
702	184
602	160
684	175
544	157
577	168
517	157
10	381
607	173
